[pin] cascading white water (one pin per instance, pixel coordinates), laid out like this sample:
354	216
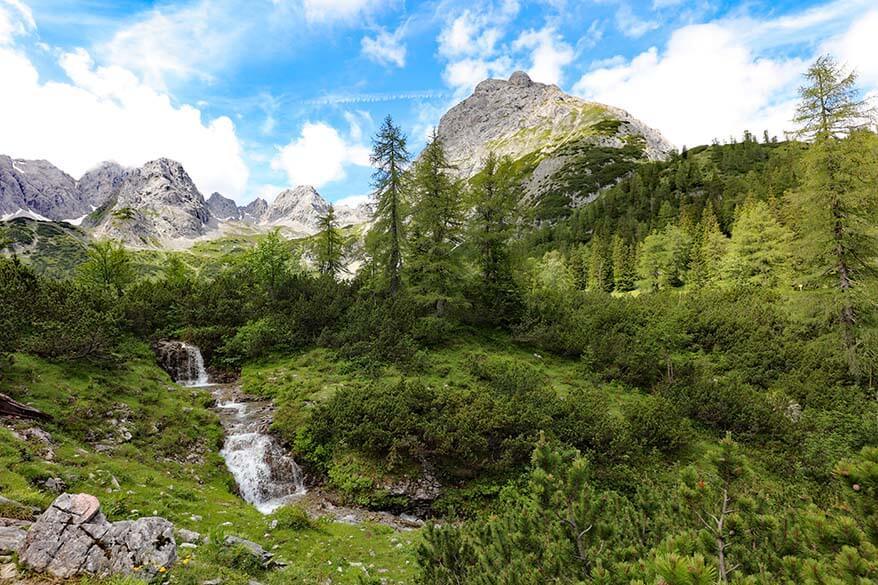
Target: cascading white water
196	375
266	476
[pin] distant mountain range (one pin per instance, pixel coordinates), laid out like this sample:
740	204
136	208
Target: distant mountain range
566	151
152	205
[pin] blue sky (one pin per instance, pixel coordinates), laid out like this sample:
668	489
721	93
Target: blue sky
259	95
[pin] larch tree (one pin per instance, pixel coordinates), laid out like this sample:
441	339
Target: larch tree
494	196
329	250
759	251
836	206
390	158
708	249
436	229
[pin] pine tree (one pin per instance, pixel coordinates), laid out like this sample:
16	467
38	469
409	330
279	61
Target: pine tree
494	197
837	204
578	262
624	273
390	159
329	250
600	265
436	229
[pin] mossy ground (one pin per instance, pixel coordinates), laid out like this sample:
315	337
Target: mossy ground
168	423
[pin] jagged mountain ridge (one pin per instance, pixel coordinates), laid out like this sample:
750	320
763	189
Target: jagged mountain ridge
152	205
567	150
549	134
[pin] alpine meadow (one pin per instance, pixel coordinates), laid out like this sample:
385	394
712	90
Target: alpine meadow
551	345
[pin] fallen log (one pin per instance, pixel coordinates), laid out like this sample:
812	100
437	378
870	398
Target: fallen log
10	407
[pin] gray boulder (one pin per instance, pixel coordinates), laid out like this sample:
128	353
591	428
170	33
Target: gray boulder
72	538
11	538
257	551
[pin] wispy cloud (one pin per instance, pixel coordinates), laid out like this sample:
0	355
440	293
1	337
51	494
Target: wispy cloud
373	98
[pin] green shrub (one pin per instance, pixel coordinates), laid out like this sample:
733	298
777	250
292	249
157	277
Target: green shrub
507	375
292	517
656	424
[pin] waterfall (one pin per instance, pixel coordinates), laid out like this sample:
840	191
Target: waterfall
196	375
266	476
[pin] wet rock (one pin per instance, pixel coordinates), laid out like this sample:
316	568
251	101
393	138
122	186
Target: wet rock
257	551
183	362
72	537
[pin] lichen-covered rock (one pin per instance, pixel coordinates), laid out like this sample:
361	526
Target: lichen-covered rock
11	538
72	537
264	557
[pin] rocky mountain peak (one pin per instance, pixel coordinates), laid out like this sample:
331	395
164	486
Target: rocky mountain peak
298	208
39	189
520	117
155	203
520	78
223	208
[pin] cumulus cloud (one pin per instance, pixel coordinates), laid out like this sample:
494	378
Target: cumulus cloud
16	19
549	54
319	155
385	48
107	113
717	79
177	42
857	47
705	85
475	45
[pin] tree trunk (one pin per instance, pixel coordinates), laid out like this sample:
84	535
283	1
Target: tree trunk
10	407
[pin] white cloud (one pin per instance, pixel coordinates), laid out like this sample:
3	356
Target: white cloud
549	54
631	25
107	113
707	84
16	19
182	43
857	47
318	11
467	73
385	48
319	156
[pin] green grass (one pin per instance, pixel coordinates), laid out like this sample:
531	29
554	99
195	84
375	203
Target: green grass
168	423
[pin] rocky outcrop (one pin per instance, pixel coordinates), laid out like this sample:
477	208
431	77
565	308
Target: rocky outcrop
299	208
254	212
519	117
223	208
154	204
12	534
38	189
98	185
264	557
73	538
183	362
